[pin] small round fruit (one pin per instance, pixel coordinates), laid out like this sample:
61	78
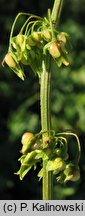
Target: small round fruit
54	50
27	137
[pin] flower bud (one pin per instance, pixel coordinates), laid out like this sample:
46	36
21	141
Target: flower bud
9	61
19	39
25	58
71	172
26	140
75	176
21	42
36	36
46	35
61	37
18	43
26	137
54	50
69	169
30	41
57	165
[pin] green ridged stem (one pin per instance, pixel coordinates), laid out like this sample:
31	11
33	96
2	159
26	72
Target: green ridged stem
45	122
56	10
45	81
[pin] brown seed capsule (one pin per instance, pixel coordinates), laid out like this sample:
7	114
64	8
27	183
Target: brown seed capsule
54	50
9	61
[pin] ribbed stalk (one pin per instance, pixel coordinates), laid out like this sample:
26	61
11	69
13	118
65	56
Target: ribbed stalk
56	10
46	105
45	123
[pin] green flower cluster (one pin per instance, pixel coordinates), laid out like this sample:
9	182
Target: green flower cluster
54	151
37	37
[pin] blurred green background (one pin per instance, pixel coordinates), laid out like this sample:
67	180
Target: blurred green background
19	101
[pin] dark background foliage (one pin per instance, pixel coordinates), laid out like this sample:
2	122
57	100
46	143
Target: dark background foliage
19	101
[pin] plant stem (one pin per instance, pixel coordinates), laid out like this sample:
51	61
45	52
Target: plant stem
45	107
45	122
45	95
56	10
